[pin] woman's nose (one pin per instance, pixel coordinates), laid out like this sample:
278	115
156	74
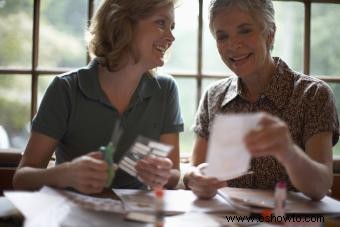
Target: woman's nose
234	43
170	36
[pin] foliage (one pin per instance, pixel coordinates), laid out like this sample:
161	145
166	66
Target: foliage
13	115
62	29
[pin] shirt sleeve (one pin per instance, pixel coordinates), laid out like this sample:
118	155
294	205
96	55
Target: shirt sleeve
173	121
321	114
201	125
52	116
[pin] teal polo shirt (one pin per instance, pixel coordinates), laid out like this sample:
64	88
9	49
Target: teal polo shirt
76	112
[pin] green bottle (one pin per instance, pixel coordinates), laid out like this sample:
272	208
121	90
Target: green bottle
108	157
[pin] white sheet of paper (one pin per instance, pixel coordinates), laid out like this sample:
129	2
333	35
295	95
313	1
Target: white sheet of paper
31	204
49	205
175	202
7	209
227	156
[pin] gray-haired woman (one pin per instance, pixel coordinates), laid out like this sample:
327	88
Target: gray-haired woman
299	124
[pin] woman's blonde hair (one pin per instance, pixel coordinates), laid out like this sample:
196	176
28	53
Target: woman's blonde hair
110	35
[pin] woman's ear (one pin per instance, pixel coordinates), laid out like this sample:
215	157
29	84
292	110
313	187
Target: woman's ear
271	37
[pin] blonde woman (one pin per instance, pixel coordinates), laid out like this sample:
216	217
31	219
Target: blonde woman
127	39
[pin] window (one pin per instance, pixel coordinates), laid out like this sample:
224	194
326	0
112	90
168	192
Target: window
42	38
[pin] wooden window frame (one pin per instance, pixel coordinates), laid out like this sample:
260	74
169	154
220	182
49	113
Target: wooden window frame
35	71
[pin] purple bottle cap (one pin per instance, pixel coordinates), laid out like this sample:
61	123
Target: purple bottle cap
281	184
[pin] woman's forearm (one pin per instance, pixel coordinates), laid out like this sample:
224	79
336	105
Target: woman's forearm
29	178
310	177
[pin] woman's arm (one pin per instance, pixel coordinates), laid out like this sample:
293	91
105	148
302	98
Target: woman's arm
86	174
32	173
309	171
199	152
204	187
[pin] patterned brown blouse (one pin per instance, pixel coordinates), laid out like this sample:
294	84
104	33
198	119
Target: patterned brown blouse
305	103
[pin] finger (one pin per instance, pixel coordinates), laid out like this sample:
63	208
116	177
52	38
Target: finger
145	167
199	178
98	165
204	193
159	162
90	177
154	179
272	136
90	189
201	167
96	154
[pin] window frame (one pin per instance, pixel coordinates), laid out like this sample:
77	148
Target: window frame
35	71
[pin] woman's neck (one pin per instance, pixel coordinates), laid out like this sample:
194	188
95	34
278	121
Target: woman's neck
253	85
119	86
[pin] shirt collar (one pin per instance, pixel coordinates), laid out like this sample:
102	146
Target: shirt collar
89	84
280	87
233	91
278	90
88	81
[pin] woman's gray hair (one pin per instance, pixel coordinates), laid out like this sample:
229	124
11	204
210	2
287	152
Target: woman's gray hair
261	10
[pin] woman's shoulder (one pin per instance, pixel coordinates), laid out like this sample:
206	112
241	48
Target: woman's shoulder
220	87
165	81
311	85
304	84
164	78
72	78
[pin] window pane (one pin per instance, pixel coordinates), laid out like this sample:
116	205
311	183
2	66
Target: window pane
207	82
62	29
183	53
96	3
15	104
16	33
325	34
289	41
336	90
187	98
212	63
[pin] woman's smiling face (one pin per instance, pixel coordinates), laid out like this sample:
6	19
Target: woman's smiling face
153	36
241	42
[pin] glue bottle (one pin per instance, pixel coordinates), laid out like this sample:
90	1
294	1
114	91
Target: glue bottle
280	196
159	206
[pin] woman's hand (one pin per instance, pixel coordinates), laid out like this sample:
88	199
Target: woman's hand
154	171
203	186
87	174
272	137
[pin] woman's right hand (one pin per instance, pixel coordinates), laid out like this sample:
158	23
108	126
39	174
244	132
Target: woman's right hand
87	173
203	186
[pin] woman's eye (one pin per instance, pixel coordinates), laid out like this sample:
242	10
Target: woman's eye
245	31
160	22
221	37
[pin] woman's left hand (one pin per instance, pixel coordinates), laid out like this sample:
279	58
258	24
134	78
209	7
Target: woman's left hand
271	137
154	171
